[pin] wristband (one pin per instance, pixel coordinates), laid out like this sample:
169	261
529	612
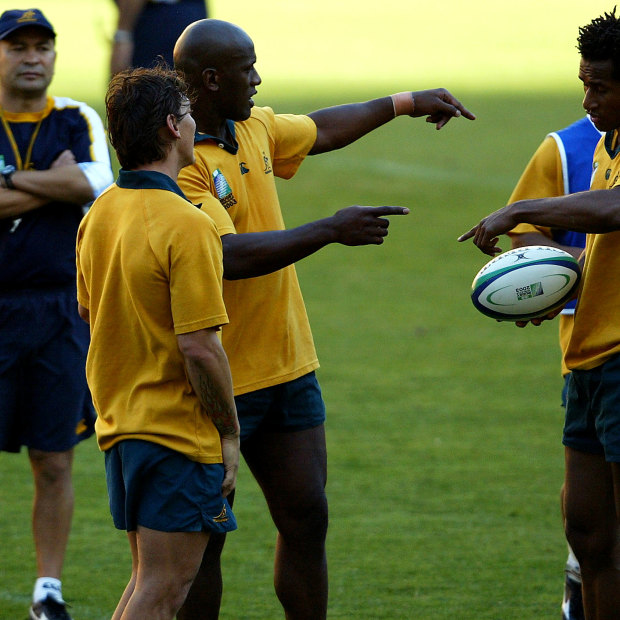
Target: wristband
403	103
123	36
7	173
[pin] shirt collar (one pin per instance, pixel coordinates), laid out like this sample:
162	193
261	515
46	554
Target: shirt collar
231	147
148	179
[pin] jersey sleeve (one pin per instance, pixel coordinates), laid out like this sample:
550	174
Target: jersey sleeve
196	278
90	148
83	296
294	136
191	254
541	178
197	185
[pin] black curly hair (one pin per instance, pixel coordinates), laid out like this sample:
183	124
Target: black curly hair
600	40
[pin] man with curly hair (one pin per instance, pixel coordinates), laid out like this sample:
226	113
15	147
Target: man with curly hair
149	282
592	426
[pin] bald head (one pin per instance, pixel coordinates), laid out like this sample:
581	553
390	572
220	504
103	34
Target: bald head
216	59
209	43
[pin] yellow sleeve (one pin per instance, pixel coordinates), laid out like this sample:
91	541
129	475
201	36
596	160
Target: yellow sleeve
295	135
197	185
541	178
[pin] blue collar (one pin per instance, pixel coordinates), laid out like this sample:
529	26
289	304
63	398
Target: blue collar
231	147
148	179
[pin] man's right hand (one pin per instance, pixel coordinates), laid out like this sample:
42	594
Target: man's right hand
363	225
230	456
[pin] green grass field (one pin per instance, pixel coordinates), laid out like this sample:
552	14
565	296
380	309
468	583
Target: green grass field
444	427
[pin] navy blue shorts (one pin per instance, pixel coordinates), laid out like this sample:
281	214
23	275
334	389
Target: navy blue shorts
593	410
293	406
44	399
155	487
565	390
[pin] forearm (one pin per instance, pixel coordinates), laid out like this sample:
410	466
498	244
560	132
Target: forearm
341	125
14	203
128	12
209	374
248	255
594	211
63	184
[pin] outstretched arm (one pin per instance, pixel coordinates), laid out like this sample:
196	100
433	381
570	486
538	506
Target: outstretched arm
341	125
247	255
593	211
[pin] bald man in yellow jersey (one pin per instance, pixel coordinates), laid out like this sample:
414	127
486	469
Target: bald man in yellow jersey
239	150
592	427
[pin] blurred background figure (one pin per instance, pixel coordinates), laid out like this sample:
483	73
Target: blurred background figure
148	29
54	161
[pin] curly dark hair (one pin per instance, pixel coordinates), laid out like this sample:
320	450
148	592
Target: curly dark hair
600	40
138	102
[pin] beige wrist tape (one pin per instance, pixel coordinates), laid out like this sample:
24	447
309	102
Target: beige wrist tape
403	103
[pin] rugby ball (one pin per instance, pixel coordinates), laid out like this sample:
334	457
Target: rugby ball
525	283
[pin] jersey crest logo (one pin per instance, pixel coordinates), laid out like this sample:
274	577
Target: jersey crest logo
244	169
268	169
223	190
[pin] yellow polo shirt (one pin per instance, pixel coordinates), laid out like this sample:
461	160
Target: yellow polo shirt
268	340
149	268
596	333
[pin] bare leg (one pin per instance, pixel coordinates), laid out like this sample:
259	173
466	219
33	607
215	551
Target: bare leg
52	508
205	596
129	588
167	563
291	469
591	508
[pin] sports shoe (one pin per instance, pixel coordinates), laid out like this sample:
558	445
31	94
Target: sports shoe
49	609
572	605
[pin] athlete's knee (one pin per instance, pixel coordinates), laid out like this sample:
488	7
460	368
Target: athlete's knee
594	543
304	520
51	468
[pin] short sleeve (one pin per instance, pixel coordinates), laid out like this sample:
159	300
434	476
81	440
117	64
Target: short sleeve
541	178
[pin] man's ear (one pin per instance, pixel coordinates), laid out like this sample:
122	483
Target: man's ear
171	124
210	79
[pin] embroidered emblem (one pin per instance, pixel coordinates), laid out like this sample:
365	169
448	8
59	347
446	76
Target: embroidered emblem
27	16
223	190
268	169
244	169
222	517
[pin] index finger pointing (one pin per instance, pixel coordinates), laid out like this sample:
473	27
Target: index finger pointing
468	235
386	210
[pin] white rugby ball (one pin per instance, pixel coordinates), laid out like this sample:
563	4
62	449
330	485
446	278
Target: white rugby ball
525	283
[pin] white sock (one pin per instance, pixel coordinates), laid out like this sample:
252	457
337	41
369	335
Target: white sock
47	586
572	566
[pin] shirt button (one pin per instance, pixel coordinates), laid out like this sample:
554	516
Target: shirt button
221	145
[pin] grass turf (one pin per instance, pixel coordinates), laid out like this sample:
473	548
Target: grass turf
443	425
